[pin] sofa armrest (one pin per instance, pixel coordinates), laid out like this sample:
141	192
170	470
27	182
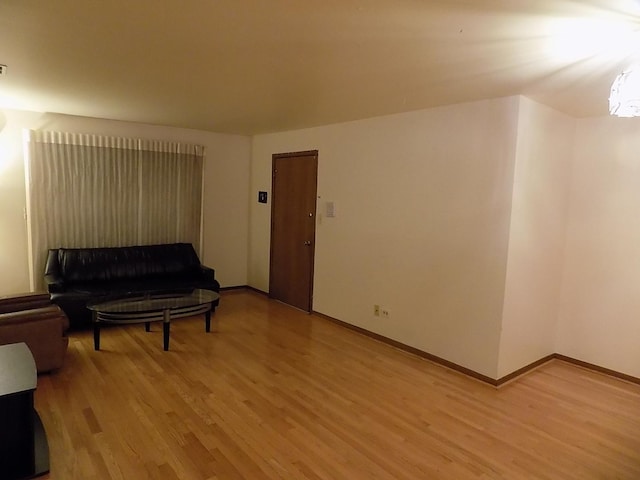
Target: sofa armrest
207	273
24	301
52	276
44	332
35	315
54	284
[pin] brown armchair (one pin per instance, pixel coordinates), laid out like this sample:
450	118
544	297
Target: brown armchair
32	318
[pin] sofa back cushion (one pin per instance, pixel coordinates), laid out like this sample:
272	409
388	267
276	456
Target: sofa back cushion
121	263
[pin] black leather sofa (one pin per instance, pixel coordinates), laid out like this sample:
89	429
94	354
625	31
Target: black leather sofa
78	276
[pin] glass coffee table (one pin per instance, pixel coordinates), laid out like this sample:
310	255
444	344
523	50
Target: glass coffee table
153	308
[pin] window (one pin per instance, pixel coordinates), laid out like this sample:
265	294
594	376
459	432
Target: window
95	191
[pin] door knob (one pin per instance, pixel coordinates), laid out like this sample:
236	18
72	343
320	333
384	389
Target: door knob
307	242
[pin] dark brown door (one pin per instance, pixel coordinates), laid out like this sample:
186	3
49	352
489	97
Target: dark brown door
293	227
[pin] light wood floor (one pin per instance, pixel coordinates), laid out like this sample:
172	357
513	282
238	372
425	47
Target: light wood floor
277	394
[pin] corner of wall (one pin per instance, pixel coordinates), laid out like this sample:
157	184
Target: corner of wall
537	235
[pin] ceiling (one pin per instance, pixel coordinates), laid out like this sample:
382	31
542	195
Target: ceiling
256	66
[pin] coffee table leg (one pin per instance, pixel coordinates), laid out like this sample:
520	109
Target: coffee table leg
147	326
96	334
166	326
96	330
207	321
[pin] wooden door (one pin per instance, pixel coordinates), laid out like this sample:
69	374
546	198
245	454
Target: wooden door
293	227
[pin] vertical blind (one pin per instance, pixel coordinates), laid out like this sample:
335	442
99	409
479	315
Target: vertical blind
98	191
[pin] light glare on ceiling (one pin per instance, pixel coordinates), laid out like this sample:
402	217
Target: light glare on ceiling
576	39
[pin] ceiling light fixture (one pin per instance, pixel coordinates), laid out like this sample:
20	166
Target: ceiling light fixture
624	100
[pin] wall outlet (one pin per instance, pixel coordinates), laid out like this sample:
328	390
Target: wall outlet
376	310
385	312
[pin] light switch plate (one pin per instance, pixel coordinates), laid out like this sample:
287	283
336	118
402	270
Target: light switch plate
330	209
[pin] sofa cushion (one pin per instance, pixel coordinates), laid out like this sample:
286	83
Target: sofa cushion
81	265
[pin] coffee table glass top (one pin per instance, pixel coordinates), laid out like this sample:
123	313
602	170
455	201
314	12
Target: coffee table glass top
153	302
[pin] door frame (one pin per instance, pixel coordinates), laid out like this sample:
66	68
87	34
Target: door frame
304	153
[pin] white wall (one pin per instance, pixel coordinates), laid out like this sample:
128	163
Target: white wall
423	201
226	178
14	271
451	218
600	308
537	236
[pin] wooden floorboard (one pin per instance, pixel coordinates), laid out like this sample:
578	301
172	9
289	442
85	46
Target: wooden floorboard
273	393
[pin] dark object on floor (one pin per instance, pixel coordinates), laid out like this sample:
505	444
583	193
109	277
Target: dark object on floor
78	276
24	452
